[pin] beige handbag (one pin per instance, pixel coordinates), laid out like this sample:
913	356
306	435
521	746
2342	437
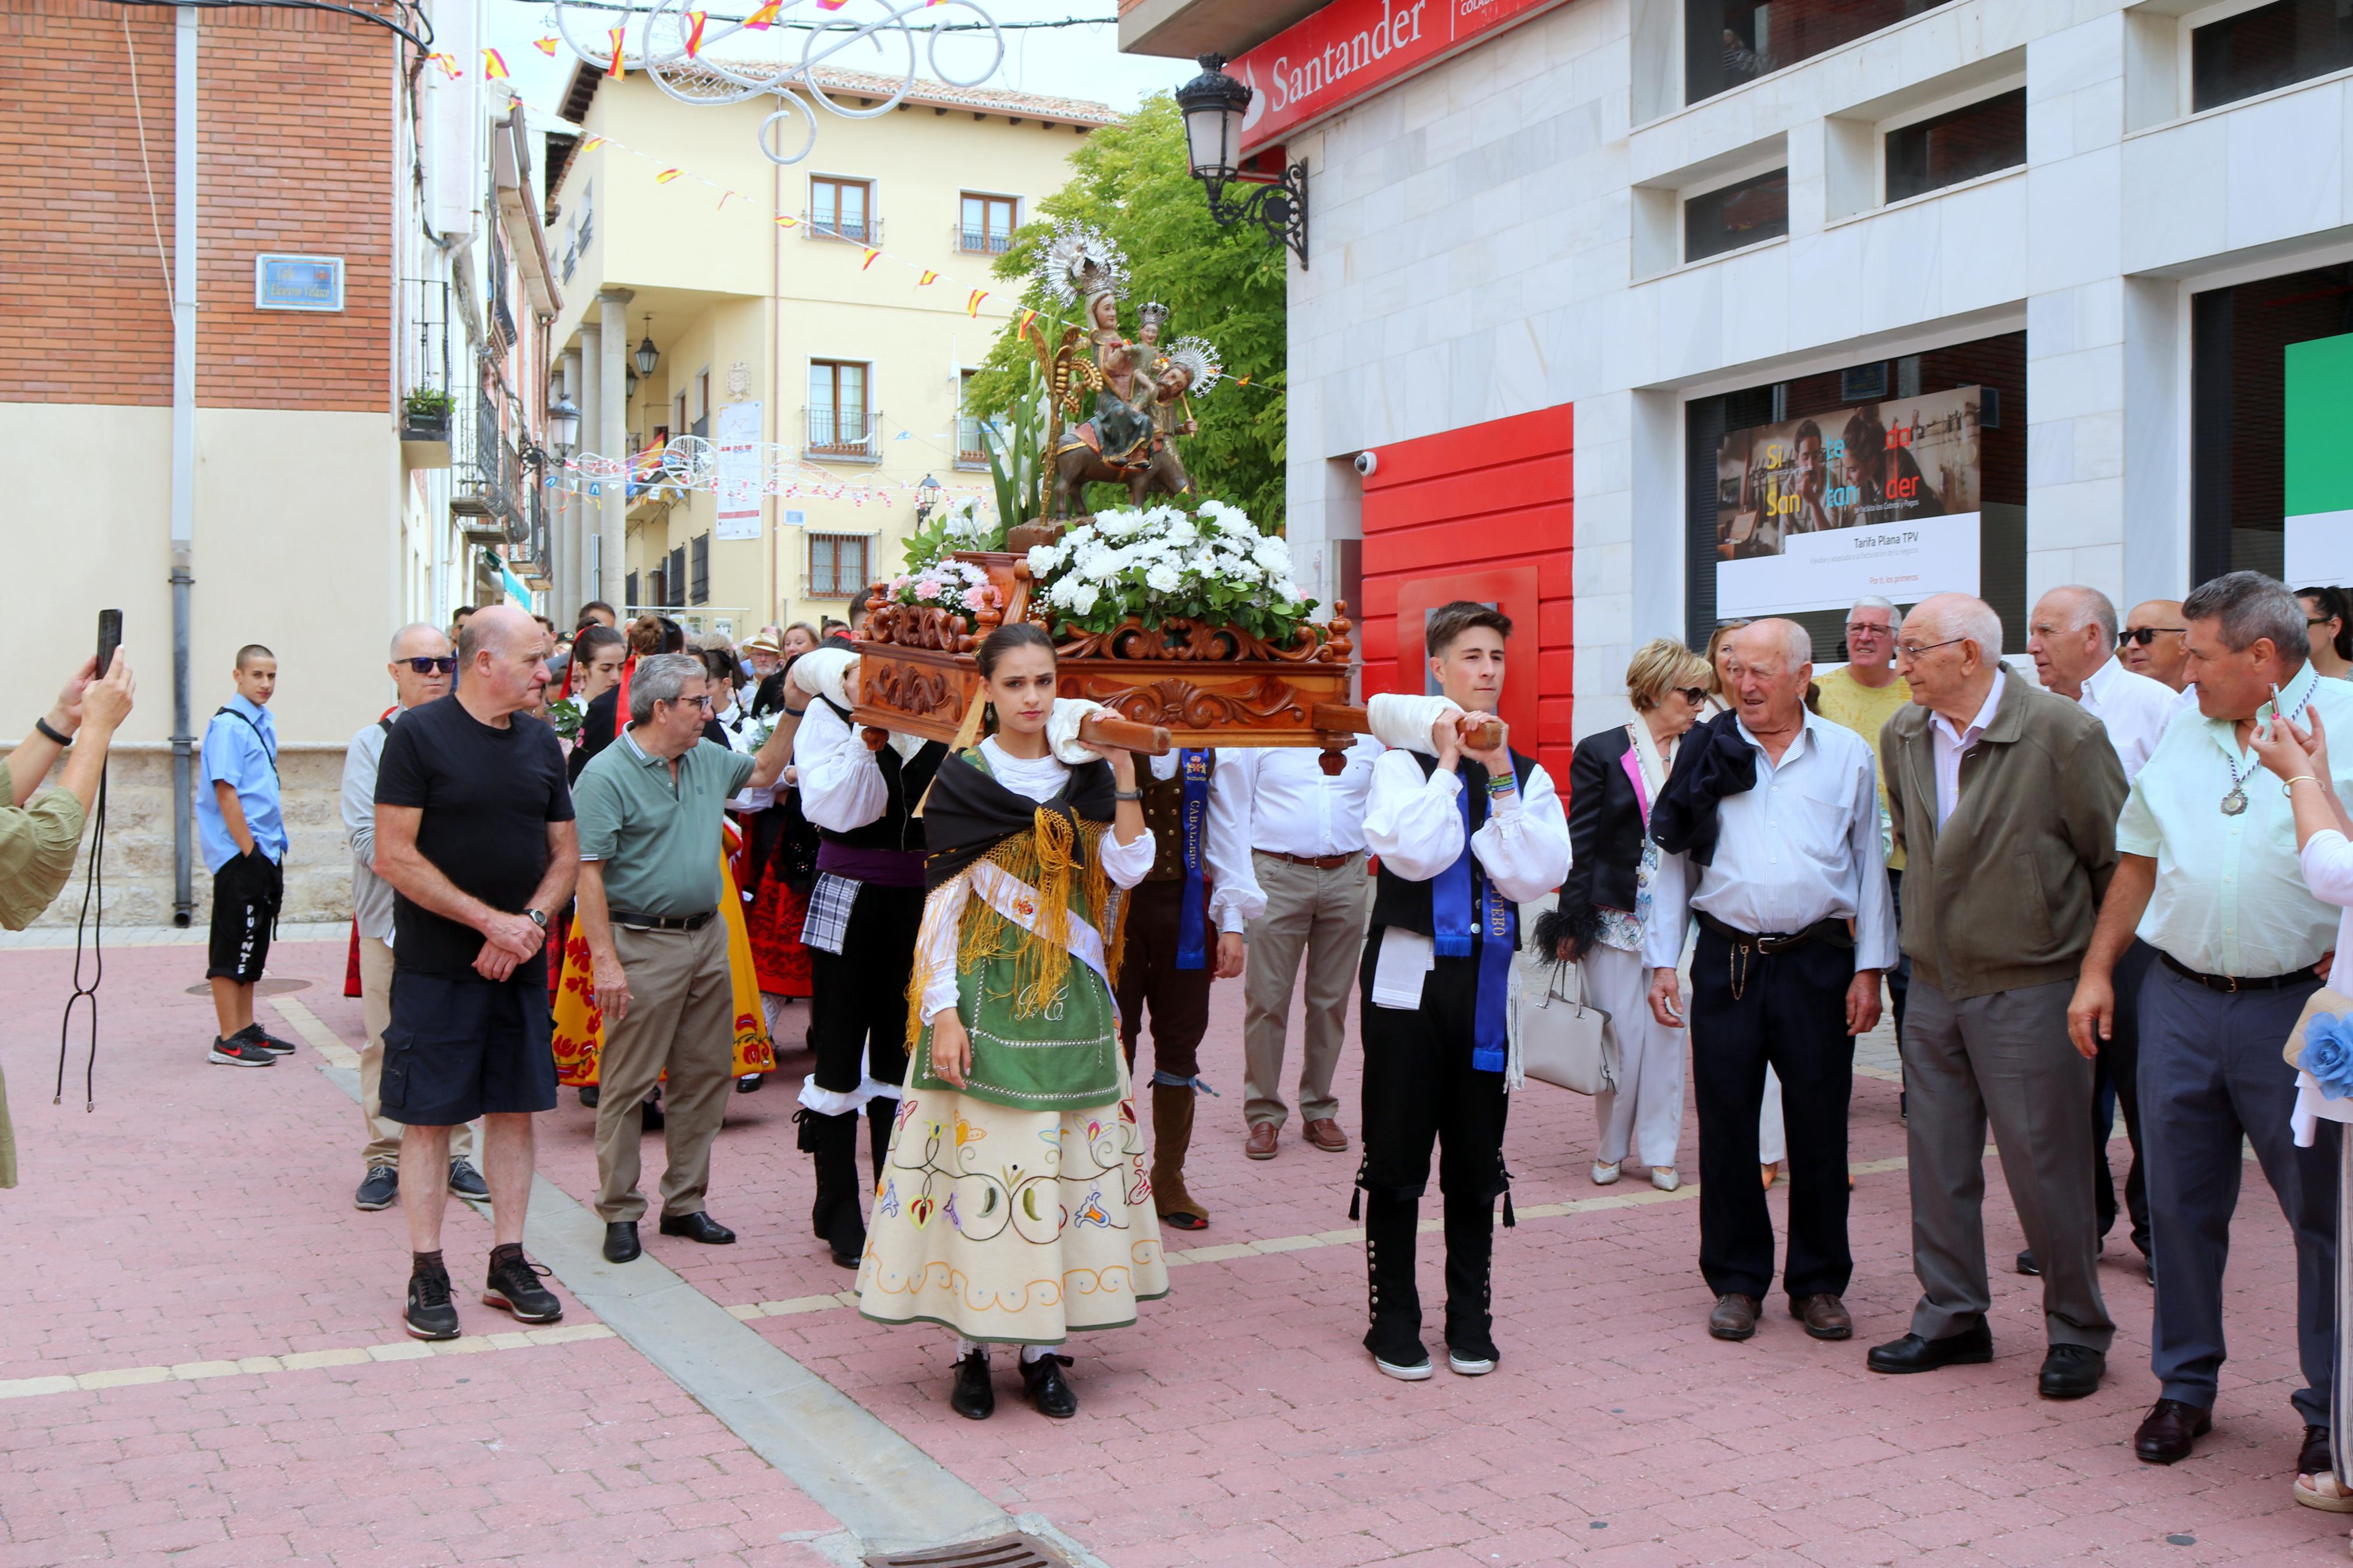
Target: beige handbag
2321	1001
1566	1043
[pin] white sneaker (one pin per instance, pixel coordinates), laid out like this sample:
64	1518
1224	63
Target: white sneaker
1665	1178
1418	1373
1604	1175
1468	1366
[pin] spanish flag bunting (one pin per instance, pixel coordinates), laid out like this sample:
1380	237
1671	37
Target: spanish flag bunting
494	64
871	252
925	279
785	222
722	199
545	45
592	143
448	64
694	20
972	306
1026	318
830	5
614	68
667	175
1241	380
765	16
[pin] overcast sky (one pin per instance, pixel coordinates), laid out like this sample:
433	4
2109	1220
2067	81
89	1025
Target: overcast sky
1064	62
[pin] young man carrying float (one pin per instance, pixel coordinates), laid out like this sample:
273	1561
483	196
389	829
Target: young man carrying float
1462	836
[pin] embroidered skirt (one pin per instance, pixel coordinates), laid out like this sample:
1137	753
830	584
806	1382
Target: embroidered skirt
1012	1226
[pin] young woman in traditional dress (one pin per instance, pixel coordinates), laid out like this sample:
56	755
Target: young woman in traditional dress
1014	1206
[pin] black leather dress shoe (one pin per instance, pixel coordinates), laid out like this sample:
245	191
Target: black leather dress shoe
973	1398
2026	1264
621	1241
2170	1430
2070	1371
2314	1456
1048	1389
698	1226
1973	1346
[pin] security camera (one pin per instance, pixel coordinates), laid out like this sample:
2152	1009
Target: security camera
1366	462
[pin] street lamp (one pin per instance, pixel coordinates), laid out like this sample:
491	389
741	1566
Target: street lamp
927	496
563	422
648	356
1214	105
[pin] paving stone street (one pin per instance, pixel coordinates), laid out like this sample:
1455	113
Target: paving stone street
202	1362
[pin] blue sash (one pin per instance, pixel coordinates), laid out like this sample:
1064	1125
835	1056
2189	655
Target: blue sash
1193	919
1493	930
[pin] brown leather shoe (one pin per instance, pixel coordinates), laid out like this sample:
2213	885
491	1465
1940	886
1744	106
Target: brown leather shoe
1325	1134
1735	1317
1262	1135
2170	1430
1825	1316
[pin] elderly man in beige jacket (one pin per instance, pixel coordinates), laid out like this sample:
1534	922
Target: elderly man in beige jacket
2005	798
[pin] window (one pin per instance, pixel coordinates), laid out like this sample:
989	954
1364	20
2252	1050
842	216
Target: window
1961	145
970	452
842	208
698	579
674	578
1728	42
629	599
837	564
678	419
988	223
702	425
2270	46
837	407
1733	216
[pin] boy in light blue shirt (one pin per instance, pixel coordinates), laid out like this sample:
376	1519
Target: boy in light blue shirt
242	833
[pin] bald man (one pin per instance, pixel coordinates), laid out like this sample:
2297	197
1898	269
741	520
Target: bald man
1770	822
2152	644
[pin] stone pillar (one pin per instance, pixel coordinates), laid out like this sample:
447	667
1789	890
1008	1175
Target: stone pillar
572	584
613	439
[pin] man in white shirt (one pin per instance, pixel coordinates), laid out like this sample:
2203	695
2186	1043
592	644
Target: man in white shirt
2152	643
1463	836
2208	875
1793	801
422	668
1305	830
2070	634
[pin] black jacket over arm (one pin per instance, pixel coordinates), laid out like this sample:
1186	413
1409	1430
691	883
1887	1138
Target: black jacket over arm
1605	834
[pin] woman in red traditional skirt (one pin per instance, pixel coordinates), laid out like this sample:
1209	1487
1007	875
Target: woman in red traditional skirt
776	865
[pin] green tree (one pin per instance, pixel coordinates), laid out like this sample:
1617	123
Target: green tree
1132	181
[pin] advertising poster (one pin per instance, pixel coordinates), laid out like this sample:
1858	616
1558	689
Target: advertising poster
1879	498
736	463
2318	466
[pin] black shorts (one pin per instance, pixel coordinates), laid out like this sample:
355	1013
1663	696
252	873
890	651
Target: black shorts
246	895
459	1047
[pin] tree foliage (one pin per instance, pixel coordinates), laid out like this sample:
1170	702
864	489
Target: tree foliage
1132	181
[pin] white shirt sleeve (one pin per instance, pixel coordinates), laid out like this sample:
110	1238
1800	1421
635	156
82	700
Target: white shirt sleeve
935	944
1663	932
1874	915
1412	822
1523	843
1126	864
842	787
2329	868
1235	897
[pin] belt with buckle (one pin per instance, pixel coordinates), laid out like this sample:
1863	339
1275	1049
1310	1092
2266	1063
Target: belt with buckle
1321	862
2233	983
634	921
1767	943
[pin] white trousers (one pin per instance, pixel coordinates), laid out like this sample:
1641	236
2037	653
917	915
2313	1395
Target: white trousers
1645	1116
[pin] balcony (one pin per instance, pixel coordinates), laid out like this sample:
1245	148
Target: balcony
980	241
971	452
842	434
427	406
856	231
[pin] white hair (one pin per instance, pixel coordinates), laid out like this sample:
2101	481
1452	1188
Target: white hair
2088	606
402	635
1797	643
1959	616
1874	601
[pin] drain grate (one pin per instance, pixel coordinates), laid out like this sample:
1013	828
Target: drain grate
998	1552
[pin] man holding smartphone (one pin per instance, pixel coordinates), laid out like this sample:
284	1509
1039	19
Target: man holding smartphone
242	832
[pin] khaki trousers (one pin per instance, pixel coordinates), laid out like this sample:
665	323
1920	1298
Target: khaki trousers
681	1022
375	1005
1324	912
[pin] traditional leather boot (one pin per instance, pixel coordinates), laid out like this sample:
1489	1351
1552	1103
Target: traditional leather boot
1394	1303
1470	1256
1172	1135
837	1215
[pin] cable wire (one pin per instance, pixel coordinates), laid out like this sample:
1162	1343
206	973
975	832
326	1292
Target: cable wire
93	900
424	42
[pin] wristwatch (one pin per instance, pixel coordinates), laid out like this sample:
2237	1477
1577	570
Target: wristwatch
1127	794
536	919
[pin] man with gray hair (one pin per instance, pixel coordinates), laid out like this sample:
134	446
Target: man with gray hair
2007	797
2209	876
651	806
421	668
1770	827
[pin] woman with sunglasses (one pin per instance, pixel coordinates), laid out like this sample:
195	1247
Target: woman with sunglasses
2328	623
1613	778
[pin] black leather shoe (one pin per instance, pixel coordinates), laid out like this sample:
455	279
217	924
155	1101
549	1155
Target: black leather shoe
431	1314
650	1117
621	1241
1973	1346
2314	1457
2026	1264
698	1226
588	1095
972	1397
2170	1430
2070	1371
1048	1389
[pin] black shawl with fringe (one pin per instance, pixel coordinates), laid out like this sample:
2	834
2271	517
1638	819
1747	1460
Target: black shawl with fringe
968	813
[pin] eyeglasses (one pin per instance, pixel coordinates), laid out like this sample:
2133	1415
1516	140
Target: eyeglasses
2318	620
2144	634
1694	695
704	702
443	666
1866	629
1906	651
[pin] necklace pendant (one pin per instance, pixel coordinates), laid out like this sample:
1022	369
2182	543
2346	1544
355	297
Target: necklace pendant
2235	802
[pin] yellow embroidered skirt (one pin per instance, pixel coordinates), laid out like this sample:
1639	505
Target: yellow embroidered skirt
1012	1226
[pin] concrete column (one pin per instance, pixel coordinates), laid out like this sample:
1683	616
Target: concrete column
571	538
613	437
584	511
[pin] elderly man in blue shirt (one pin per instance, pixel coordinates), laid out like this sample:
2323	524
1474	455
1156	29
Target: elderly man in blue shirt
2209	876
242	835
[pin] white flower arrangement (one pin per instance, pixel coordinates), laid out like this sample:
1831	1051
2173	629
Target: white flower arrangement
1157	563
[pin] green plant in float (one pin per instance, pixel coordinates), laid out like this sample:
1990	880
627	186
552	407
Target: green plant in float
962	526
1015	438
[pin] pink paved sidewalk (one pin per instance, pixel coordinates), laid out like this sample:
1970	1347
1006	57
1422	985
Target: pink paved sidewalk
205	1212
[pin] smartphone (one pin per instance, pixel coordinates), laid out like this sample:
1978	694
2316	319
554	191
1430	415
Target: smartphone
109	637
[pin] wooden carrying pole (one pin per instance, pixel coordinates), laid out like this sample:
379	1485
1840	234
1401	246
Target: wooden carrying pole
1095	730
1480	732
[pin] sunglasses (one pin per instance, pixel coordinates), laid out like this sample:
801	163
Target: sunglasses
2144	634
446	665
1694	695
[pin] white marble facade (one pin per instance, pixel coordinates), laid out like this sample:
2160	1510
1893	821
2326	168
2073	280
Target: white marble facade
1480	250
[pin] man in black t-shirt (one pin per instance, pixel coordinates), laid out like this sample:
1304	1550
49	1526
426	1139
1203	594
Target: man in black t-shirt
474	832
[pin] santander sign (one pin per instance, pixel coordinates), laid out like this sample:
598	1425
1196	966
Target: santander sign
1350	49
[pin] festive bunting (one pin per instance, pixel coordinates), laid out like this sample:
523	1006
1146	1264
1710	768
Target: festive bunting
928	278
667	175
722	199
765	16
545	45
1026	318
614	69
592	143
448	64
494	64
786	220
694	32
972	306
871	252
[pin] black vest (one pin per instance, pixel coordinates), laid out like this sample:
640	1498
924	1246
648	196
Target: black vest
907	779
1398	901
1164	814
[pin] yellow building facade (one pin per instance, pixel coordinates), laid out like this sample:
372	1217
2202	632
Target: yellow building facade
848	366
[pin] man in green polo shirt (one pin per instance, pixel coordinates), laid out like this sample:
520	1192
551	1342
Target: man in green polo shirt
651	810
